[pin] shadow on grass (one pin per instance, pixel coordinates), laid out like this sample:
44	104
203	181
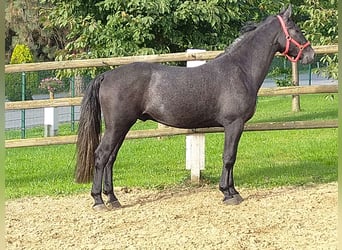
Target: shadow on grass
291	174
302	116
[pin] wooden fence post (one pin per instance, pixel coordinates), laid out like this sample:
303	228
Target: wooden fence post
295	82
195	144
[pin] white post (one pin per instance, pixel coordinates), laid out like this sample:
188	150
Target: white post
50	122
195	144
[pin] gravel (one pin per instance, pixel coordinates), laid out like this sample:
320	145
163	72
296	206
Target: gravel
179	218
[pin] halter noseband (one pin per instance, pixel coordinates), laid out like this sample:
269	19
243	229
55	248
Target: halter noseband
289	40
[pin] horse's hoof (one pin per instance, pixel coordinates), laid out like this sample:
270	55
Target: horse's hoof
113	205
100	208
235	200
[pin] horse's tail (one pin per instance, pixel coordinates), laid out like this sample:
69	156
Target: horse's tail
89	132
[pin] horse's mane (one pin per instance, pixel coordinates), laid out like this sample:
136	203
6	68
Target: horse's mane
249	26
246	28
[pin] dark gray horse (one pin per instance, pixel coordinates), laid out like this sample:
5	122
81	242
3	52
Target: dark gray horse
220	93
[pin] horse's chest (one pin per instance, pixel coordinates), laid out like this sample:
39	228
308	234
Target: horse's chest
239	106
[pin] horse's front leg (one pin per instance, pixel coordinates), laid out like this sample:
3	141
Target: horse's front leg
233	133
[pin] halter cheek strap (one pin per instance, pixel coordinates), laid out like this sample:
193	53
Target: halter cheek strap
290	40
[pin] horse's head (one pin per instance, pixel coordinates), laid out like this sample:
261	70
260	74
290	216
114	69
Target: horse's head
292	42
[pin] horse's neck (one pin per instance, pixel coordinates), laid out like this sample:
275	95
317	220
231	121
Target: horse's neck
255	52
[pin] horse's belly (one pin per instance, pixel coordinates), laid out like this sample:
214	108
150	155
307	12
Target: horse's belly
181	117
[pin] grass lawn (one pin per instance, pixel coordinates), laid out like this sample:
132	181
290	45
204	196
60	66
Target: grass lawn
265	159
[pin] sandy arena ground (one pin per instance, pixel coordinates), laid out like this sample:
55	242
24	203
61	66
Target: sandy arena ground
183	218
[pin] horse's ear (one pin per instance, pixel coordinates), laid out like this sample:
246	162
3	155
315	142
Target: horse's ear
286	13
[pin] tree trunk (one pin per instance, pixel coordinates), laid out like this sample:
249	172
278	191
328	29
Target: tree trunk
78	85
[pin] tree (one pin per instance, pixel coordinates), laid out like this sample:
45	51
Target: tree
118	28
321	29
59	29
24	24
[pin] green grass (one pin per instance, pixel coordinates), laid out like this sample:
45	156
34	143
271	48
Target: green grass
279	158
265	159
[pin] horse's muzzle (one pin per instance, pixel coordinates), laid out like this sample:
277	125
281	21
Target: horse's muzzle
308	55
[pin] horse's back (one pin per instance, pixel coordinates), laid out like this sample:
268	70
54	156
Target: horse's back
176	96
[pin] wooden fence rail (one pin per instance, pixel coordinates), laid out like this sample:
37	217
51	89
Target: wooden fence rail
76	101
169	131
115	61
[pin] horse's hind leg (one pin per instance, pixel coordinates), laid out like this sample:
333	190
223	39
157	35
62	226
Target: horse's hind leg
108	189
105	156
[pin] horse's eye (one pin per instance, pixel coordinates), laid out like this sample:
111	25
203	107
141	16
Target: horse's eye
298	31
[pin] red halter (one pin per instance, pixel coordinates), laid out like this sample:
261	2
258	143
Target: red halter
289	40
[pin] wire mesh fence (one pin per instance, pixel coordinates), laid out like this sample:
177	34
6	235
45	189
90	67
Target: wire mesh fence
28	86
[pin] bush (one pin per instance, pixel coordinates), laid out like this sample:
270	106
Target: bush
13	86
21	54
13	82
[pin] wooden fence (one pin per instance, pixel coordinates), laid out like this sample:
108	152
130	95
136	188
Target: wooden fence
60	102
168	131
101	62
76	101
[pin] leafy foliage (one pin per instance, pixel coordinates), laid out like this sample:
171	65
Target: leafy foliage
79	29
282	75
119	28
321	29
13	86
24	24
21	54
